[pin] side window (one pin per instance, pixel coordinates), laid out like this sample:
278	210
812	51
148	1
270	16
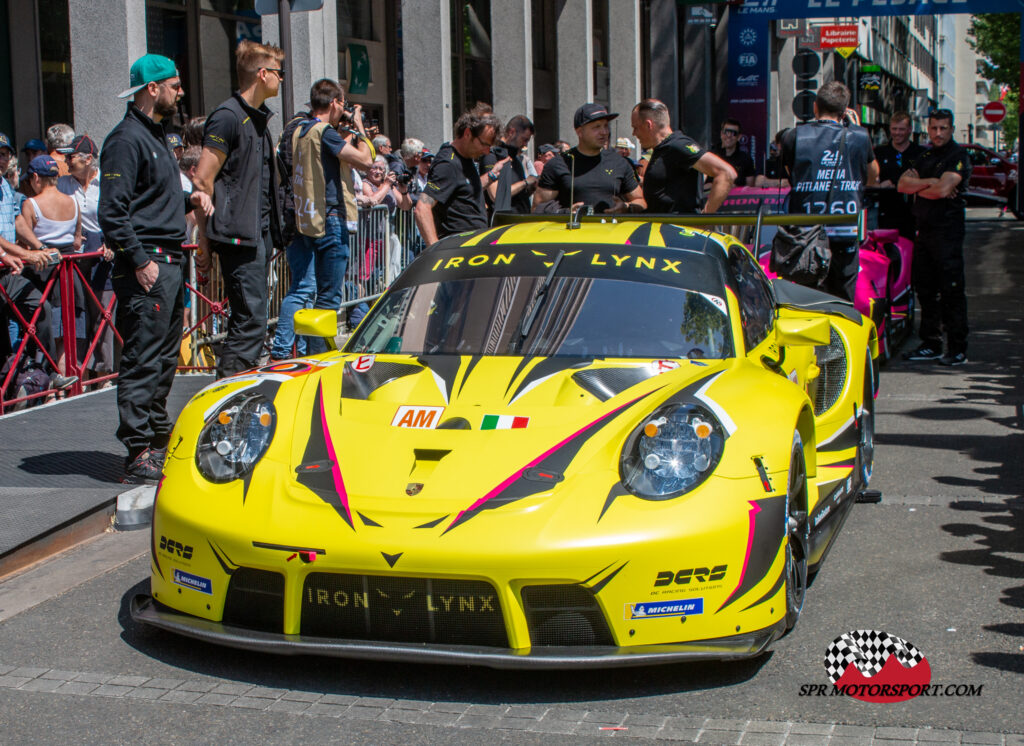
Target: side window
757	313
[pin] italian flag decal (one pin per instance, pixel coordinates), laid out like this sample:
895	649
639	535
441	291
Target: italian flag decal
503	422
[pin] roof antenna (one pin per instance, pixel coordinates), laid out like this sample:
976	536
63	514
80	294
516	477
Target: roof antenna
574	217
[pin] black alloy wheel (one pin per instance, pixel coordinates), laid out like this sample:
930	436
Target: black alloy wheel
797	527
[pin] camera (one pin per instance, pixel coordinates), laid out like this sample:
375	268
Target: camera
404	178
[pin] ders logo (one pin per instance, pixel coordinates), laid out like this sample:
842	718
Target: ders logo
876	666
698	574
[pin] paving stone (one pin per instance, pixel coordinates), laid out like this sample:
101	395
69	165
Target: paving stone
163	683
521	724
338	699
938	735
597	730
185	698
40	685
685	722
4	670
758	738
641	719
1014	740
604	717
76	687
401	716
62	675
263	692
301	696
860	731
849	741
250	703
896	734
724	724
531	712
553	726
322	708
127	680
381	702
143	693
236	689
94	678
112	690
811	729
469	720
806	739
642	731
287	705
493	710
29	672
672	733
361	712
720	736
13	682
565	714
767	726
212	698
194	686
456	707
438	718
970	736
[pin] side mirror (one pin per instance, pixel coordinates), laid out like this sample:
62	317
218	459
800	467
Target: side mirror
318	322
802	331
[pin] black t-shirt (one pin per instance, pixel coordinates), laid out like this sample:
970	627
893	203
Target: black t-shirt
892	163
598	178
826	174
454	183
893	207
932	164
671	183
521	201
220	132
739	160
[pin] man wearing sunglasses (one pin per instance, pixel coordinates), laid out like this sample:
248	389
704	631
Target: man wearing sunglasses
729	151
894	158
236	168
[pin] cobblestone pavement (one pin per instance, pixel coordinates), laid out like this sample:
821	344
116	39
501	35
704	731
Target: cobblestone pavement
466	715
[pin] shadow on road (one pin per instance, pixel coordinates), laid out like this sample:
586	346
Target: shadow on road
99	465
420	681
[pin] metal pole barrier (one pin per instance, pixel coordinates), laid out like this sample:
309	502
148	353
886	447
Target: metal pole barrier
66	277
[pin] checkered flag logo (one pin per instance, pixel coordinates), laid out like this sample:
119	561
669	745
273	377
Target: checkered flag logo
868	650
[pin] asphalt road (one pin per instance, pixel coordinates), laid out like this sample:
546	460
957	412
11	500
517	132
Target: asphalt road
939	562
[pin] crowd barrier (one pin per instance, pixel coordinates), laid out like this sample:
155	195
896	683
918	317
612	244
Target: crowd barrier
380	247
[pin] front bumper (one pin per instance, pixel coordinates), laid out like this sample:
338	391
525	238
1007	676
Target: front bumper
146	611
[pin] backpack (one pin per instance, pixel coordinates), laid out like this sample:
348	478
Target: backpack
284	168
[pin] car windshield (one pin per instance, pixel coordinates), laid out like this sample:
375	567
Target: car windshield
576	316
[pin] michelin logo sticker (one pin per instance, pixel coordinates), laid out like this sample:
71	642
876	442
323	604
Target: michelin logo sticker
652	609
196	583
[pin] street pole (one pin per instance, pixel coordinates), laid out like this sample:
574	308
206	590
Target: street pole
284	20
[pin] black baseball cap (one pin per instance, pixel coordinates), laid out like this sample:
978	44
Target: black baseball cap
591	113
84	145
543	149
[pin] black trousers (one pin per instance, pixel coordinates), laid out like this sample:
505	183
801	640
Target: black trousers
27	297
939	281
150	325
245	282
842	270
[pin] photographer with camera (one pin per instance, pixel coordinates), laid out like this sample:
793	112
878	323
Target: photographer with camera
382	187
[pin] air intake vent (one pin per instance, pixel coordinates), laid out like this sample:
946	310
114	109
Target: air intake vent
604	383
356	385
832	362
564	615
255	600
381	607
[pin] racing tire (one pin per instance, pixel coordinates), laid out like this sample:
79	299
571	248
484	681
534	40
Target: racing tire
796	533
866	430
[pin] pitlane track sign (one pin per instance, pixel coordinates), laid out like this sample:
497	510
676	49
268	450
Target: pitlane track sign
773	9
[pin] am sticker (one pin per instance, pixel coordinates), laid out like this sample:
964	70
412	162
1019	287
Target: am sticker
417	418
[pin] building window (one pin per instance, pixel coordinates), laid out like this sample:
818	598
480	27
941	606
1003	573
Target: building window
471	53
602	94
54	59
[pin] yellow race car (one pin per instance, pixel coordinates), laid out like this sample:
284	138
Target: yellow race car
548	444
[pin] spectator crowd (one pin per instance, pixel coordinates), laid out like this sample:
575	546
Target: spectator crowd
225	184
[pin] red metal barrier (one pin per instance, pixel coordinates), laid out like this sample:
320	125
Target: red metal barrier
65	275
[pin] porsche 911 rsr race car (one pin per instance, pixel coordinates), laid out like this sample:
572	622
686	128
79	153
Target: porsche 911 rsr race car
550	445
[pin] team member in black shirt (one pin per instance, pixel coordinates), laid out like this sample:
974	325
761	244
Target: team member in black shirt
517	136
829	163
453	199
895	157
729	151
142	214
938	181
591	173
672	180
774	175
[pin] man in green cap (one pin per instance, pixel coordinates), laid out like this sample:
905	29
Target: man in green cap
142	215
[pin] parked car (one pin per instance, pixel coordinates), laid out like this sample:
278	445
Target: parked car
993	179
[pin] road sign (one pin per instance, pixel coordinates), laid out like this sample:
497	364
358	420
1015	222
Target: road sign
803	105
840	37
994	112
806	64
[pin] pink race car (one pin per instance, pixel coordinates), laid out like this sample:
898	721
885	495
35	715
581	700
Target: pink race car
884	293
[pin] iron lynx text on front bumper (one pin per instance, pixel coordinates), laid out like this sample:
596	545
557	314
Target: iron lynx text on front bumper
361	536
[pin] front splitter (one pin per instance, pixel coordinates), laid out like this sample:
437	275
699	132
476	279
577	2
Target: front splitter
736	647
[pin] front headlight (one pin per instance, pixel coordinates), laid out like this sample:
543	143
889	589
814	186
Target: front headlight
235	438
672	451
